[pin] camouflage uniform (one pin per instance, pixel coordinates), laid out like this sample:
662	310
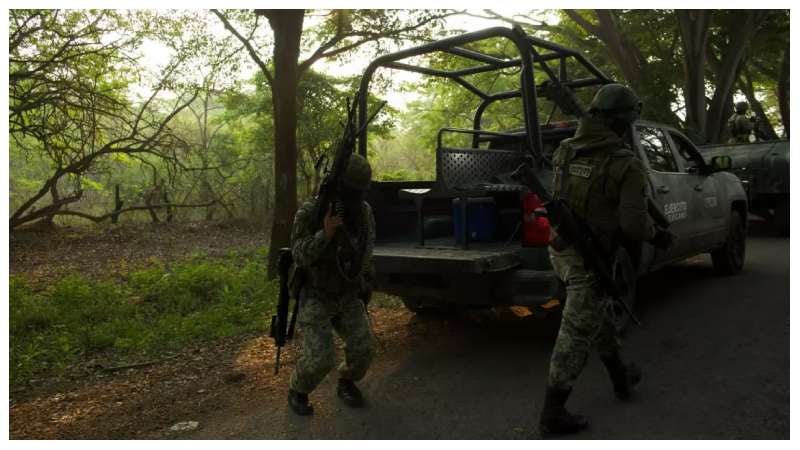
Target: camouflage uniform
606	187
329	301
740	125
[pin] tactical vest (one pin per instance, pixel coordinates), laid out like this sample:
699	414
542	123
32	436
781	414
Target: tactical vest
589	181
339	269
738	133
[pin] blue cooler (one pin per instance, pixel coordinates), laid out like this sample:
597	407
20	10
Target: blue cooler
480	217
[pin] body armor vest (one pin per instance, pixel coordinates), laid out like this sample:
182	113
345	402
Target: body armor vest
588	180
340	267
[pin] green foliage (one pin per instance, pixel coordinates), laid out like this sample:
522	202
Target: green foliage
408	152
157	309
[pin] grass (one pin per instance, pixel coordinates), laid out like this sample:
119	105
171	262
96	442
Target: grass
149	310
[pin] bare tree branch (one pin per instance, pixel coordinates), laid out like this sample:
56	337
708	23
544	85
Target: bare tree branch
247	45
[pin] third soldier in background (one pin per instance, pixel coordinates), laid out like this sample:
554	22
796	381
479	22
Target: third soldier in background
739	124
333	273
598	176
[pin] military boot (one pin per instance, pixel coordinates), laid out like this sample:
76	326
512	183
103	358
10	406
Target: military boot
299	403
555	418
623	376
349	393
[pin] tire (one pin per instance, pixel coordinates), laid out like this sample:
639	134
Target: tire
729	259
780	219
625	275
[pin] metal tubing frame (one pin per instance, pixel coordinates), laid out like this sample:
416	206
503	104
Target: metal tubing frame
527	47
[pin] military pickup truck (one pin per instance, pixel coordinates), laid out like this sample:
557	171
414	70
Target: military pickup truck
474	238
764	168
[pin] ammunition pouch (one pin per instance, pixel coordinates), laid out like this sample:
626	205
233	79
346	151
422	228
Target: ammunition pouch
323	277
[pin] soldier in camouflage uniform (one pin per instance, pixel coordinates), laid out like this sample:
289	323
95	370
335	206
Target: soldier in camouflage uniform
333	273
598	176
739	124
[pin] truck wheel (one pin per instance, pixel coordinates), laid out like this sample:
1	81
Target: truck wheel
625	275
781	217
729	259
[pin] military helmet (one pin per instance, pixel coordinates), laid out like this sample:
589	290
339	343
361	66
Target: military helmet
617	102
358	173
741	107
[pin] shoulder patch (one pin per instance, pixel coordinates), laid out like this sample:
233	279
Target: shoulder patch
580	170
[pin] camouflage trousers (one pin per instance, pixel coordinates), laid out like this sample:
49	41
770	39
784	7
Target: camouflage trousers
320	315
585	321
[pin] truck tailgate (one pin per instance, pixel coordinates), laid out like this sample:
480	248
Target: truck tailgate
445	257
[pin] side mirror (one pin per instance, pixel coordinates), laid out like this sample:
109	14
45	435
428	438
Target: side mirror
720	163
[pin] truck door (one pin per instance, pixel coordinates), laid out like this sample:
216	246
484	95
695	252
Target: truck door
707	206
669	188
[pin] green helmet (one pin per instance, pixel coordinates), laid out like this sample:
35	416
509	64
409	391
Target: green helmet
616	101
358	174
741	107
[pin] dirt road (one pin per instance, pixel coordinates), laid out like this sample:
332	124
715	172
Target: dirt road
714	351
715	354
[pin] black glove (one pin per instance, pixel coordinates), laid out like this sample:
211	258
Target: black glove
663	240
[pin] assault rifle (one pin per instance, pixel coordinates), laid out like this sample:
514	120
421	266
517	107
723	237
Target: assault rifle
277	327
333	177
577	233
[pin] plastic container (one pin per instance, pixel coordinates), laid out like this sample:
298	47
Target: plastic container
480	219
535	224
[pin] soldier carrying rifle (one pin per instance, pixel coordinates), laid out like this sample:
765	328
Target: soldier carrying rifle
599	201
740	125
331	278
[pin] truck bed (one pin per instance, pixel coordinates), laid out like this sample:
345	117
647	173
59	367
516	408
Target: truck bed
444	255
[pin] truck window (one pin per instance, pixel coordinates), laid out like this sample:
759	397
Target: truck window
683	147
657	150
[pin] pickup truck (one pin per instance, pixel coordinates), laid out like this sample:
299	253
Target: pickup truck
764	168
474	238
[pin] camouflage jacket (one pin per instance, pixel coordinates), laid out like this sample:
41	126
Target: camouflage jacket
323	264
605	183
740	127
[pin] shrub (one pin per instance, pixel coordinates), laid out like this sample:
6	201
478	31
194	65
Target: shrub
159	308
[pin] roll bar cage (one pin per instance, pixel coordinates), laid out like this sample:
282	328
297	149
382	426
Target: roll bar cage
532	51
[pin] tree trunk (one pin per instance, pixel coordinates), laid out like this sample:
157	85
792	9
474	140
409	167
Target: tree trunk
169	206
56	200
764	127
117	204
620	49
624	52
148	201
741	33
694	26
287	26
268	204
783	92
